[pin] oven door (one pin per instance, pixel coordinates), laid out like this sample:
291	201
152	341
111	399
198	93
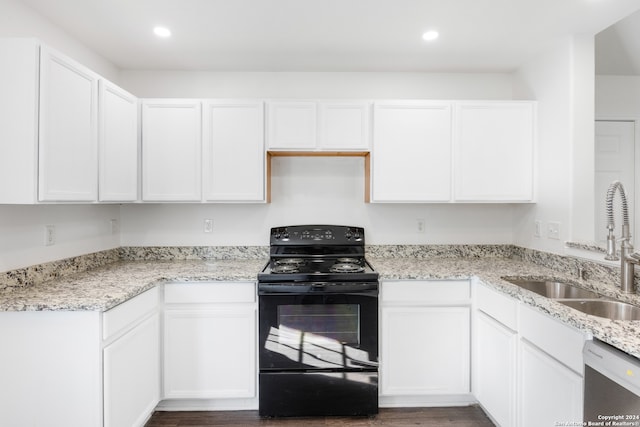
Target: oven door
318	331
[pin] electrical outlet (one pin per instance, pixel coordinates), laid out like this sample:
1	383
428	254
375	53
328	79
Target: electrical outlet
208	226
537	228
49	235
420	226
553	230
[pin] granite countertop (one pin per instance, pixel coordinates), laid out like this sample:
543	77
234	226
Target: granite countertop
105	287
102	288
624	335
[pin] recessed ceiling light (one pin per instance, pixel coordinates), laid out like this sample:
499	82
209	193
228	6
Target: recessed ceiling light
430	35
162	32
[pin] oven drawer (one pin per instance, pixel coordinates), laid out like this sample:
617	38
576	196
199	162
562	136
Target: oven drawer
291	394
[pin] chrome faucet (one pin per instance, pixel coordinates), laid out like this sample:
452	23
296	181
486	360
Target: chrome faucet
628	258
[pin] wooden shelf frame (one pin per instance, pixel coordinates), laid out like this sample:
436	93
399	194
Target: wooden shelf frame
364	154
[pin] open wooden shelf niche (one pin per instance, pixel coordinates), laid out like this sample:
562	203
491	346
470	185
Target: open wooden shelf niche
364	154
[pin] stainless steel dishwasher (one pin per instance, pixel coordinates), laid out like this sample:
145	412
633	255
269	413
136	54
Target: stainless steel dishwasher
611	386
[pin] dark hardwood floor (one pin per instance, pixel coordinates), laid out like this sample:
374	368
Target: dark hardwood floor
468	416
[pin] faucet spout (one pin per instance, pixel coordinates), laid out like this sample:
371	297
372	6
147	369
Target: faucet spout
627	258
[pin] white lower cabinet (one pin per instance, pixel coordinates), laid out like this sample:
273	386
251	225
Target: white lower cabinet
131	360
494	368
425	343
549	392
132	375
550	371
527	366
210	343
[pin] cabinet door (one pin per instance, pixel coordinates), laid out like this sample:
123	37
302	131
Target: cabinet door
68	160
118	144
132	375
494	156
291	125
234	151
494	368
210	353
171	150
549	392
411	152
343	125
425	350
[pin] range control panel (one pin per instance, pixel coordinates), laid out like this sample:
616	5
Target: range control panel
317	234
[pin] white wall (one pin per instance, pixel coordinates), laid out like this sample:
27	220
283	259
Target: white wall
316	190
79	229
19	20
618	97
184	84
559	80
310	190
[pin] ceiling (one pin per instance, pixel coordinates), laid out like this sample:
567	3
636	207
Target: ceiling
327	35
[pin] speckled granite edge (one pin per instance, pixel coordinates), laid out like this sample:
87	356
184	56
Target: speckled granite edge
586	246
40	273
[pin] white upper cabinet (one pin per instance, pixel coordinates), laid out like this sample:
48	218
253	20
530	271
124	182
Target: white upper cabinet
233	151
68	147
171	150
18	120
118	144
411	151
343	125
291	125
326	125
494	151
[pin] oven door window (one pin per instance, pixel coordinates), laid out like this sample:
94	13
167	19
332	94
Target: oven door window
318	336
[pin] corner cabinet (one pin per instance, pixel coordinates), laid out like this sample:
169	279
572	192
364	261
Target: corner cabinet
68	160
494	151
411	155
118	144
425	343
66	134
210	345
171	150
233	151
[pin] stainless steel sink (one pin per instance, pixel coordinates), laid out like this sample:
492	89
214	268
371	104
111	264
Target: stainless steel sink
614	310
553	289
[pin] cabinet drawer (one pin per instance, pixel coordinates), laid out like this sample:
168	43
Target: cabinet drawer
501	307
429	291
209	292
562	342
120	317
